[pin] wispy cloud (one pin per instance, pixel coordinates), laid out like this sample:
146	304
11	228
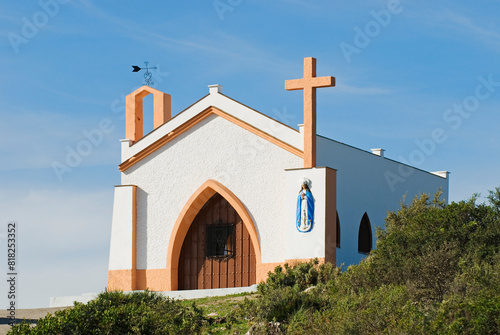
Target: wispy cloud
456	22
363	90
309	5
233	50
472	27
44	139
73	97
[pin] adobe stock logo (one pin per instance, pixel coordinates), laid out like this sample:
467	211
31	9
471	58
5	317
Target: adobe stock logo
29	29
372	29
84	148
453	118
221	7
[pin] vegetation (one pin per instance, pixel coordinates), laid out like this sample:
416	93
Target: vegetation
436	270
119	313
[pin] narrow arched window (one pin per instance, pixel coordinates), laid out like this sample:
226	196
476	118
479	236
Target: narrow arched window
365	235
337	226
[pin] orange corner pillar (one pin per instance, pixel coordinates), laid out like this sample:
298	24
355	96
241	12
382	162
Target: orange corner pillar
309	84
134	111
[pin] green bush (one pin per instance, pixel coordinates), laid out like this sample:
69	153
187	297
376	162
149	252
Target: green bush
301	276
119	313
283	296
436	270
424	243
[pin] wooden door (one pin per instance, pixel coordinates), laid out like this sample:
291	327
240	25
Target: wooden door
217	251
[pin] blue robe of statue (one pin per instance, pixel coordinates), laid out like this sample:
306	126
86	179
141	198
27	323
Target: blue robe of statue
305	212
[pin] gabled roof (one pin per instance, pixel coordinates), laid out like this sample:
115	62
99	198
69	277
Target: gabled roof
218	104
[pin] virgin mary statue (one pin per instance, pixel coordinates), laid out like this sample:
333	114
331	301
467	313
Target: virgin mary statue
305	208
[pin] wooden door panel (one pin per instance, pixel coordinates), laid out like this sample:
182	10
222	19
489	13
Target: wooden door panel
238	256
245	271
197	271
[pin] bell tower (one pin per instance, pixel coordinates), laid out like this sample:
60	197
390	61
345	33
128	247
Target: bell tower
133	111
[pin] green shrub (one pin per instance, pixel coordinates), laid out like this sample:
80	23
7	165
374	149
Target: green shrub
436	270
119	313
424	243
302	276
282	295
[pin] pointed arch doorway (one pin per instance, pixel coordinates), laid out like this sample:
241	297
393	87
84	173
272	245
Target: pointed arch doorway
217	251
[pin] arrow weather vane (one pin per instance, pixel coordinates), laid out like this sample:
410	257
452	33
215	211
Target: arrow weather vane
147	75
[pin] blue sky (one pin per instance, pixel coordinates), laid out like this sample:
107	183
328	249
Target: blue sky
70	72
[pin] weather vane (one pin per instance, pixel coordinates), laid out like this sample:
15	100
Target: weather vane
147	75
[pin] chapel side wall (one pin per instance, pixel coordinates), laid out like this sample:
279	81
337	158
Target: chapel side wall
249	166
362	187
122	261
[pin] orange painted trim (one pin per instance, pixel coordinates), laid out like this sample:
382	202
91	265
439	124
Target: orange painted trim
152	279
186	217
148	279
195	120
120	280
134	111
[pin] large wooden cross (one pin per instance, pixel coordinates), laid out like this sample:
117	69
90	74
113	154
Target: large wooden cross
309	84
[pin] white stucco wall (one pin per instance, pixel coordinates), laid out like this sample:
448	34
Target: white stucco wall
362	187
311	244
228	105
120	249
251	167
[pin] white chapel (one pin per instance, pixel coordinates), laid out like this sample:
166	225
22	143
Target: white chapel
200	208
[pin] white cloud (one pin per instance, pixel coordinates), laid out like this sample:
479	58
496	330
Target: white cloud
233	51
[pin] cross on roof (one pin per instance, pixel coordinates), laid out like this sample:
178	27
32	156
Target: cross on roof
309	84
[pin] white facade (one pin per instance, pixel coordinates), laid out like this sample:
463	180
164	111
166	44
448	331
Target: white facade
252	168
255	157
